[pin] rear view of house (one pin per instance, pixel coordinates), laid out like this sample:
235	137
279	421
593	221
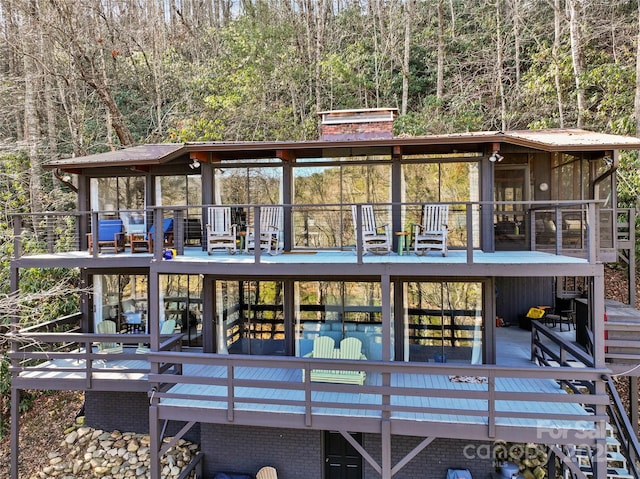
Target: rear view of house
333	303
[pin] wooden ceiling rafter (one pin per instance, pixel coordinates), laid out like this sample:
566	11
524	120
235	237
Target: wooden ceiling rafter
286	155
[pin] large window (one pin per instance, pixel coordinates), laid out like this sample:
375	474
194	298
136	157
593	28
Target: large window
180	190
260	185
182	302
570	177
331	226
122	298
339	310
111	196
183	190
446	181
443	322
250	317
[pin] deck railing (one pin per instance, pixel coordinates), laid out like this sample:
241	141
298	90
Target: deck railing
565	353
38	355
580	232
625	431
236	383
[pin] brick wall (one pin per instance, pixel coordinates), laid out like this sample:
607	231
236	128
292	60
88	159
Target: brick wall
358	131
295	453
434	460
126	412
298	454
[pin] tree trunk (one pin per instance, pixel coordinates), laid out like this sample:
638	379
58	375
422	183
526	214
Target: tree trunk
577	60
440	72
499	62
31	87
556	61
408	9
517	40
637	97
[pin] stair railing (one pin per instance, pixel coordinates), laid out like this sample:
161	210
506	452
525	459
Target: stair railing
623	428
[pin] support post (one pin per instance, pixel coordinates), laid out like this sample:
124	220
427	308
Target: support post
597	318
385	284
633	402
155	439
15	431
359	233
15	392
386	449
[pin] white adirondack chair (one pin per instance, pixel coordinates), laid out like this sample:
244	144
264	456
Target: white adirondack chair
168	327
375	239
108	347
221	234
267	472
270	222
431	234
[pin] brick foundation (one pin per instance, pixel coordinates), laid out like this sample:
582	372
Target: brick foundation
126	412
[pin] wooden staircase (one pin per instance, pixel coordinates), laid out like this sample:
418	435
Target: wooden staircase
617	465
622	338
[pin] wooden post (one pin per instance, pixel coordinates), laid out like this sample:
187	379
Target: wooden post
155	440
15	431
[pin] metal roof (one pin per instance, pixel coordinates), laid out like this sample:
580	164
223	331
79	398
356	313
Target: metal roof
572	139
551	140
136	155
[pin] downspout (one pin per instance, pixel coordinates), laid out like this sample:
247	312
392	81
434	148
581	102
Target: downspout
613	161
611	158
64	181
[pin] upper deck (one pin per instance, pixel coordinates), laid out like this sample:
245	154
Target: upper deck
322	247
329	263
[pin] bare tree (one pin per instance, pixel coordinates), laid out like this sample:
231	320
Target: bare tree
408	10
556	60
85	50
637	95
30	47
441	44
577	58
499	67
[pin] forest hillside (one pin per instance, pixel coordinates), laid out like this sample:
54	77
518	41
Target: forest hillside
92	75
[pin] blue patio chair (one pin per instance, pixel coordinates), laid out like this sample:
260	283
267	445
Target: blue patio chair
167	234
110	234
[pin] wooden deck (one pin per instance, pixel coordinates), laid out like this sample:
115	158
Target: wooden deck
182	395
335	264
446	400
457	400
308	256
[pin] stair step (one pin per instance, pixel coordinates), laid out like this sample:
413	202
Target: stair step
612	473
618	473
613	444
609	430
616	460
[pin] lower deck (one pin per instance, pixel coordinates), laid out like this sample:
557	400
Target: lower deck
445	398
514	399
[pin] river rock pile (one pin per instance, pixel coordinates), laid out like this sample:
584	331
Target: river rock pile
87	452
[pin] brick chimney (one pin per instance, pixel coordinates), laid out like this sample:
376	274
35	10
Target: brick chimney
363	124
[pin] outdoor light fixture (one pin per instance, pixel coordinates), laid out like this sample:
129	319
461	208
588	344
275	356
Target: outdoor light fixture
608	160
194	164
495	156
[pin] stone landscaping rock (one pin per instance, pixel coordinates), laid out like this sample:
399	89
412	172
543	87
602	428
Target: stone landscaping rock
86	452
